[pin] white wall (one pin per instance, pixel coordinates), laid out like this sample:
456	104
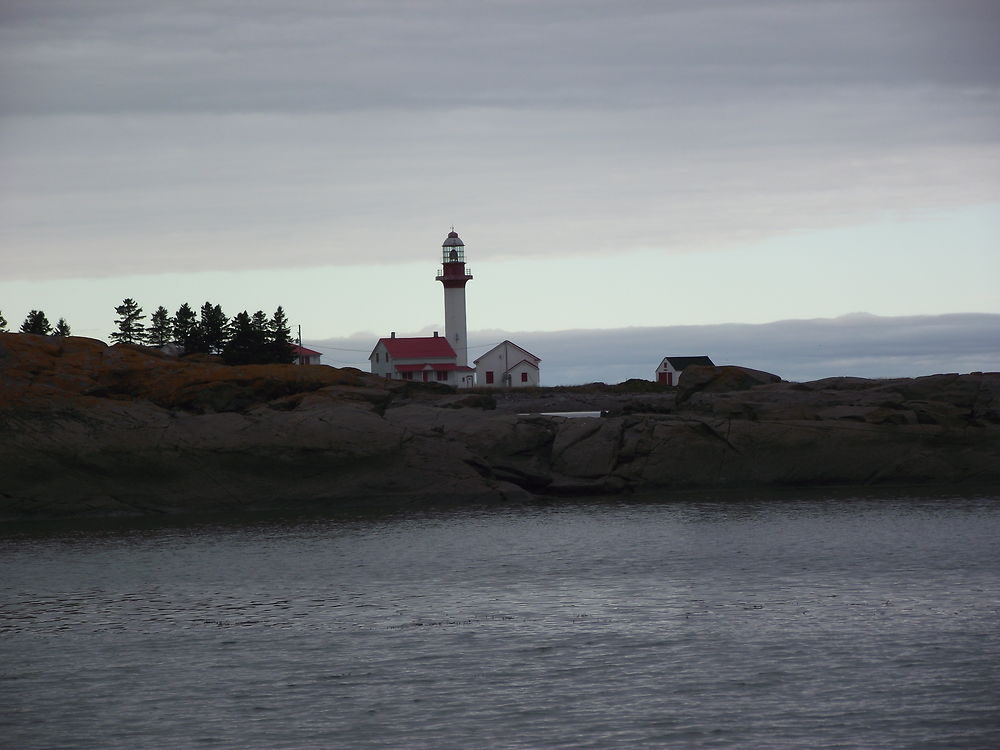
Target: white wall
506	359
380	366
455	324
666	367
531	375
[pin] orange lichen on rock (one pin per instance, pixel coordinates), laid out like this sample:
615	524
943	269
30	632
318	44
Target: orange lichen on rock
53	367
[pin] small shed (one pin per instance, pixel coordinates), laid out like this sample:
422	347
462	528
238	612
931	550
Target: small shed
670	368
304	356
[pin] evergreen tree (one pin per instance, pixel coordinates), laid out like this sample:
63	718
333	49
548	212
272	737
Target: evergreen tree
212	324
185	328
36	322
160	331
260	323
129	322
280	346
3	323
62	328
247	343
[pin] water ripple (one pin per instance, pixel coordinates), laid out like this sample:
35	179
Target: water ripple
701	625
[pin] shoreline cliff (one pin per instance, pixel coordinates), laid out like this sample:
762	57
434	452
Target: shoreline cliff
92	430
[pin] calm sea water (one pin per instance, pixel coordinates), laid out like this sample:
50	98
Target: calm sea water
837	622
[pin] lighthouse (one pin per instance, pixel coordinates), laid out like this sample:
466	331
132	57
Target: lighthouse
454	276
445	359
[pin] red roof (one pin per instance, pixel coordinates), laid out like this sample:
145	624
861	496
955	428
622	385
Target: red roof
301	351
418	348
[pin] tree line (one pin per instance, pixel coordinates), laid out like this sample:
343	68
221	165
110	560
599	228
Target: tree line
37	322
242	339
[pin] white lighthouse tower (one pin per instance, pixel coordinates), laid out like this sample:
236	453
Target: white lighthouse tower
454	276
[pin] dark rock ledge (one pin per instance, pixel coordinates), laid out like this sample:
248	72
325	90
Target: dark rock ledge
87	429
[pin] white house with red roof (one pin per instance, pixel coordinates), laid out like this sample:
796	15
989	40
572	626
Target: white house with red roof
425	359
304	356
507	365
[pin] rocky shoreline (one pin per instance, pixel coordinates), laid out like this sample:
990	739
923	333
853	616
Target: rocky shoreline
92	430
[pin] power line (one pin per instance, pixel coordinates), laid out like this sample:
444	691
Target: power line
340	348
363	351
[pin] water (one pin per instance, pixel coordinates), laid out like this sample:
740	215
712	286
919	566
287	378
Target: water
771	623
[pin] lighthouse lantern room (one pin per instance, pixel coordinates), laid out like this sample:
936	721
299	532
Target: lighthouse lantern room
454	276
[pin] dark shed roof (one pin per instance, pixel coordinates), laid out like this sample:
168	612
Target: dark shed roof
679	363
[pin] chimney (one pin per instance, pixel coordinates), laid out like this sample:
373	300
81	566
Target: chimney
435	334
392	335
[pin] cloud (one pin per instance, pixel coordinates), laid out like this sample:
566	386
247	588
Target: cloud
143	137
858	344
311	56
96	197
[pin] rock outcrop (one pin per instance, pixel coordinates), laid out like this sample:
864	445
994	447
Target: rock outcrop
711	379
87	429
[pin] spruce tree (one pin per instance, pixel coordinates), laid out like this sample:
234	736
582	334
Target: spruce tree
160	331
247	343
212	324
36	322
129	322
3	323
62	328
260	323
185	328
280	347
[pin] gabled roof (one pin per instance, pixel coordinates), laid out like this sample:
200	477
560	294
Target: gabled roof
418	347
528	362
510	343
679	363
301	351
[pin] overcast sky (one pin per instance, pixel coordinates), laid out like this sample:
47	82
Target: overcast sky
641	165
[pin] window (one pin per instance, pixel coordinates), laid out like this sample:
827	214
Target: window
489	377
376	356
524	377
407	376
441	375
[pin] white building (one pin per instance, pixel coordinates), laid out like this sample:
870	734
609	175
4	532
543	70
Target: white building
304	356
425	359
507	365
670	368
